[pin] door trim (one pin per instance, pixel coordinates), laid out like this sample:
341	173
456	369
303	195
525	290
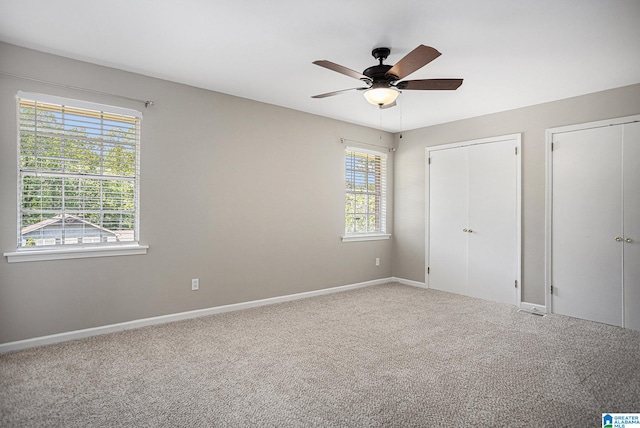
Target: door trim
548	191
517	138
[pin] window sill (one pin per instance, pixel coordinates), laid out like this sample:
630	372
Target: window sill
36	255
369	237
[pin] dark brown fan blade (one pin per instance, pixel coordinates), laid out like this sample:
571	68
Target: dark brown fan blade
430	84
417	58
393	104
330	94
340	69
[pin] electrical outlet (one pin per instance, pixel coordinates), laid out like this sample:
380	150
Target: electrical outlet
377	261
195	284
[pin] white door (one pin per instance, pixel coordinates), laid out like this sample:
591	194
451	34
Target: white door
492	222
586	232
472	235
631	167
448	207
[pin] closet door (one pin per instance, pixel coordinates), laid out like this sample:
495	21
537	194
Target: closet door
631	168
492	221
448	207
473	215
587	233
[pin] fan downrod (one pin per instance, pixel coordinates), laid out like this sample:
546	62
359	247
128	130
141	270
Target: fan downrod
378	73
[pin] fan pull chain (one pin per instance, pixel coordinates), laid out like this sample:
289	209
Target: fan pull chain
401	105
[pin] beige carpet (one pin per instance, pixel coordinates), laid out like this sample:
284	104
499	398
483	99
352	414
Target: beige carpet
388	355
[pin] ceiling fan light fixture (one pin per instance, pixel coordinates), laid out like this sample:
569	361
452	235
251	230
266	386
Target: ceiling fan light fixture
381	95
385	82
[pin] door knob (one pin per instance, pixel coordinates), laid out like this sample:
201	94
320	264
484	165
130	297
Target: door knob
470	231
628	240
465	230
618	239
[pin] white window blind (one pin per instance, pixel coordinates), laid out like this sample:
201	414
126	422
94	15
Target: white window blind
79	175
366	191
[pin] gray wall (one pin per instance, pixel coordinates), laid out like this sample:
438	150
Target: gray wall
246	196
409	191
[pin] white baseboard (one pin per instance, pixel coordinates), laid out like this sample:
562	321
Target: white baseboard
409	282
112	328
533	307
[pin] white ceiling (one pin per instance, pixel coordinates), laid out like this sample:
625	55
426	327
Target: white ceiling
511	53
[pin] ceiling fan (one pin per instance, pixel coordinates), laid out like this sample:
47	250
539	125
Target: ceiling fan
383	81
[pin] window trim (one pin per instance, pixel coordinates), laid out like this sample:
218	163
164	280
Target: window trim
382	233
365	237
37	255
87	250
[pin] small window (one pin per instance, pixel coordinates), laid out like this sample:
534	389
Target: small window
79	174
365	196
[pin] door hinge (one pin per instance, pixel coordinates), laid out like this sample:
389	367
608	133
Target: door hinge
552	289
429	161
552	146
516	283
428	270
516	151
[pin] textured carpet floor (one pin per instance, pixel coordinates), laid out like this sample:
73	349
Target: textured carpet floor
388	355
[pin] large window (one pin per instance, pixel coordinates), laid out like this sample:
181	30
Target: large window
365	193
78	173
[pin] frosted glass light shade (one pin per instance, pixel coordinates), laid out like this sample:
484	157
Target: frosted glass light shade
381	96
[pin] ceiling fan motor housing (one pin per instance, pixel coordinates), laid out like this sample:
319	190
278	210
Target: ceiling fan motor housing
378	73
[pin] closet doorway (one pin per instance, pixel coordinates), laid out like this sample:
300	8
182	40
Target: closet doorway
593	221
473	218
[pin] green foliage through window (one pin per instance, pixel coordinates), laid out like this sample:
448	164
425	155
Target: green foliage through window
78	175
365	192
